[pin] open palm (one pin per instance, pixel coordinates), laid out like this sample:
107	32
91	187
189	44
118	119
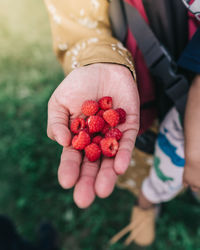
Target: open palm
91	83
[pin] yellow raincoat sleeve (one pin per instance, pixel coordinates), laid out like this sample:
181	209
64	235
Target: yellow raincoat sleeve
82	34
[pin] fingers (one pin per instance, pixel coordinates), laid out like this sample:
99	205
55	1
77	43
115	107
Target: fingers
106	178
57	126
124	153
86	188
84	193
130	130
68	171
195	189
185	184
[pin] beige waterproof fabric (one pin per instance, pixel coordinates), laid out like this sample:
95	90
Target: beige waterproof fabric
138	170
141	228
82	34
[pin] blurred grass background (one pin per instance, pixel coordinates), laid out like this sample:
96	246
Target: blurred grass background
29	191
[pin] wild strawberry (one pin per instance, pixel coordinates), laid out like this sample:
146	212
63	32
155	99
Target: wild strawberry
122	115
105	102
100	112
111	117
95	124
105	128
97	139
90	107
77	125
81	140
109	146
93	152
114	132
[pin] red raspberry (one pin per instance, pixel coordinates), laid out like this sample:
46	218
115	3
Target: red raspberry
93	152
86	121
100	112
95	123
90	107
109	146
86	129
105	128
105	102
122	115
81	140
115	133
77	125
97	139
111	117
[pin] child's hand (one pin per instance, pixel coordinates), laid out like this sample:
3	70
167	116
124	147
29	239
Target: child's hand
191	176
192	137
91	83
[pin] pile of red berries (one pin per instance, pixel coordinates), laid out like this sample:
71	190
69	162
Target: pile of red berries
97	134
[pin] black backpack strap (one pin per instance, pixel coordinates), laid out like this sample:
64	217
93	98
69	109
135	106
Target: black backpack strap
168	20
158	59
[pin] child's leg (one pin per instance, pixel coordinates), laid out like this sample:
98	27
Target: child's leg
165	179
163	183
143	202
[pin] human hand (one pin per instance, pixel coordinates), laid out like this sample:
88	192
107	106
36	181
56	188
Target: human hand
191	176
91	83
191	132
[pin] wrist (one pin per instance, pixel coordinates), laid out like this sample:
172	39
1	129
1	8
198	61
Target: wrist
115	68
192	161
114	71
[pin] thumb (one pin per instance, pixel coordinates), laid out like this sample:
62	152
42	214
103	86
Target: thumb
57	125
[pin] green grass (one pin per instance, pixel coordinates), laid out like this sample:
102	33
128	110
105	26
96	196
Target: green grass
29	191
